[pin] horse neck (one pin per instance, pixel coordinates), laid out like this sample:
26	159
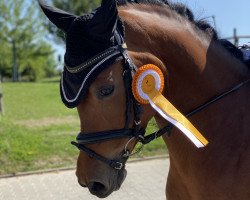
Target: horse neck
197	69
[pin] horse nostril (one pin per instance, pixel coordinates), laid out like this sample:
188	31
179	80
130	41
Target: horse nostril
97	188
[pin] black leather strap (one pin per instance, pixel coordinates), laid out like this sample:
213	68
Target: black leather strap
147	139
90	138
112	163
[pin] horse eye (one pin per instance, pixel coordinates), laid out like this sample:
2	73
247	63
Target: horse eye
105	91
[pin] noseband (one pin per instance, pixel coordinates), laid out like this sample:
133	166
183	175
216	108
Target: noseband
137	132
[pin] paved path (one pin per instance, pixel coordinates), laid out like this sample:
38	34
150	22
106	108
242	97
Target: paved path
146	180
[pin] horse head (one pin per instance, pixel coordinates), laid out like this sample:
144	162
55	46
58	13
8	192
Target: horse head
97	80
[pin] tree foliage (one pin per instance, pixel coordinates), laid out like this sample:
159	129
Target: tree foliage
5	63
77	7
22	40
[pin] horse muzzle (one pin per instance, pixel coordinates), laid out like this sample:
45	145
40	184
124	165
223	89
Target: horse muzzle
108	183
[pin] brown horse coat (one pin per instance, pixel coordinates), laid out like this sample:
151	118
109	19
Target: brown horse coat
197	70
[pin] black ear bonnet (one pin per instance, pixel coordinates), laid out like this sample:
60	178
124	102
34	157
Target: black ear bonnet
80	71
93	42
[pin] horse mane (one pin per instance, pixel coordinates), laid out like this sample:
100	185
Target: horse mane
181	9
201	24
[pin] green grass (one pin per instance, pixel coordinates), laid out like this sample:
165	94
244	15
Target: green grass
33	101
28	138
25	149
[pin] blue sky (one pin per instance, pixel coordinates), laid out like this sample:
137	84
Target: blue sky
229	14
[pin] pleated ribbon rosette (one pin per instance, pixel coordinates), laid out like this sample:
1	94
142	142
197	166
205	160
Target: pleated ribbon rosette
148	83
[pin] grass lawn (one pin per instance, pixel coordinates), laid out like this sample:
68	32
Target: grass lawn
36	129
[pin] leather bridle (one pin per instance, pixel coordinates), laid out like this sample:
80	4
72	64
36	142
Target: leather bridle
132	106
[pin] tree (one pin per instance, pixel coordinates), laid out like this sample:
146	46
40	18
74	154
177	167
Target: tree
5	62
38	62
22	34
74	6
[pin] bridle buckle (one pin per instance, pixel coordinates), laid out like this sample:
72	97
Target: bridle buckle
137	123
118	165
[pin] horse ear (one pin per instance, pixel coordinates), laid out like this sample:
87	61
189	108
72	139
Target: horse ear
60	18
104	22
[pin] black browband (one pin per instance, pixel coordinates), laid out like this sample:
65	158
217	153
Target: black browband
136	132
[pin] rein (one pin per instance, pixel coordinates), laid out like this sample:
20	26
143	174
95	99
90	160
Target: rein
136	132
214	99
167	129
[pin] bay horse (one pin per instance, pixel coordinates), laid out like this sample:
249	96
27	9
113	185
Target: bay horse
97	77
